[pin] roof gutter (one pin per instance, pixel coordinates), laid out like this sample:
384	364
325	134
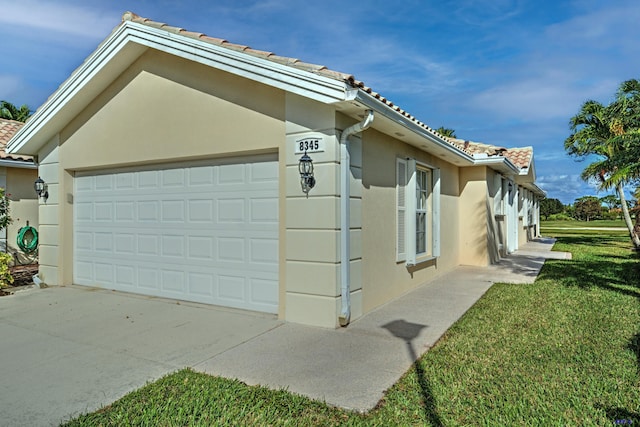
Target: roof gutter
497	162
411	125
18	164
345	216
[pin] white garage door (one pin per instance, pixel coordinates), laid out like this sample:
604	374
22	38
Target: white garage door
200	232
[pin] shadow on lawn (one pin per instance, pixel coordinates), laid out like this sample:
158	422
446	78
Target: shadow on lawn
634	346
622	277
407	332
590	240
622	416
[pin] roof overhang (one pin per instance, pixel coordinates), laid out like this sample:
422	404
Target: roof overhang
535	189
131	39
402	127
20	164
497	163
126	44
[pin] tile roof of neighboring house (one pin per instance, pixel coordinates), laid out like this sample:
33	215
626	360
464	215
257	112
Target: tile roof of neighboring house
7	129
283	60
520	157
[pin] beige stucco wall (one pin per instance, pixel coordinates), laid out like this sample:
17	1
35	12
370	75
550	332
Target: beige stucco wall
382	277
312	223
474	216
313	262
161	109
23	207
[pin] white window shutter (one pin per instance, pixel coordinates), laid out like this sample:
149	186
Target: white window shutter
401	206
410	213
436	213
497	199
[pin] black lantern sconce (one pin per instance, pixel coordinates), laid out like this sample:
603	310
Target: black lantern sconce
41	188
305	167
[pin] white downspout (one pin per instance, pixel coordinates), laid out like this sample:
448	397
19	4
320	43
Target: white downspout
345	195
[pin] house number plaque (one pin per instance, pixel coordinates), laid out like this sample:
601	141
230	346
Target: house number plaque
309	145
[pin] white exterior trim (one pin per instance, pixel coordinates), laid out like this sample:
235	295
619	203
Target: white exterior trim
132	39
401	209
17	164
433	233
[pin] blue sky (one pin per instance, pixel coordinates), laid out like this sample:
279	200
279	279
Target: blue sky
503	72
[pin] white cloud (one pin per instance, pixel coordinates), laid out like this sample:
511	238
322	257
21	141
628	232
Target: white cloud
568	187
584	57
486	13
42	15
550	155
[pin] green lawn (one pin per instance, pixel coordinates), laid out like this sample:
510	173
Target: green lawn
563	351
573	223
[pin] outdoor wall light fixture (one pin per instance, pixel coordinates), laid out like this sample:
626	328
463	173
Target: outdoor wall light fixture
41	188
305	167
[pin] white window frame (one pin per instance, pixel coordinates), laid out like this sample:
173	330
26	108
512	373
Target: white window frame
406	226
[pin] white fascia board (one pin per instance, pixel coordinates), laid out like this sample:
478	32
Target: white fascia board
534	187
17	164
290	79
499	163
532	169
47	120
381	108
128	42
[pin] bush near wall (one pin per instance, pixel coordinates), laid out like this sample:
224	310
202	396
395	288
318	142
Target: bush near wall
5	274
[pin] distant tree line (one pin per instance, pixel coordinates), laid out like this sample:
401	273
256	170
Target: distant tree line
588	208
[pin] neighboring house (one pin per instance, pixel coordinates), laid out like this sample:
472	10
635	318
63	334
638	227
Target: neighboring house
172	162
17	176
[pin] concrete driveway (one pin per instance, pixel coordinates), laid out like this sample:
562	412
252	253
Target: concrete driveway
70	350
66	351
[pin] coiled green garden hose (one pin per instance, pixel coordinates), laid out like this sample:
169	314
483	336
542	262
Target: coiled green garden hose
28	239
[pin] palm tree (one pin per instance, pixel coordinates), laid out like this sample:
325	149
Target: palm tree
608	132
11	112
446	132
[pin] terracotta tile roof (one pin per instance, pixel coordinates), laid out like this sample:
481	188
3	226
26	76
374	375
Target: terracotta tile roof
291	62
478	147
520	157
8	128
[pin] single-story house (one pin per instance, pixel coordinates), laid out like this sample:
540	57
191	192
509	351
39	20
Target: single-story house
17	176
188	167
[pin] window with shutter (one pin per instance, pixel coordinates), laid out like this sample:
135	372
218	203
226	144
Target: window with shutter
418	211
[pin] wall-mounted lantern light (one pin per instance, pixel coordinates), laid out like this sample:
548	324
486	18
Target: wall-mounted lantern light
41	188
305	167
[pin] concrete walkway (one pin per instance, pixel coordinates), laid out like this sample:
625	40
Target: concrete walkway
353	366
70	350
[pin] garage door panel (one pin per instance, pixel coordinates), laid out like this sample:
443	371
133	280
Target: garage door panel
125	276
263	291
205	233
261	172
231	288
